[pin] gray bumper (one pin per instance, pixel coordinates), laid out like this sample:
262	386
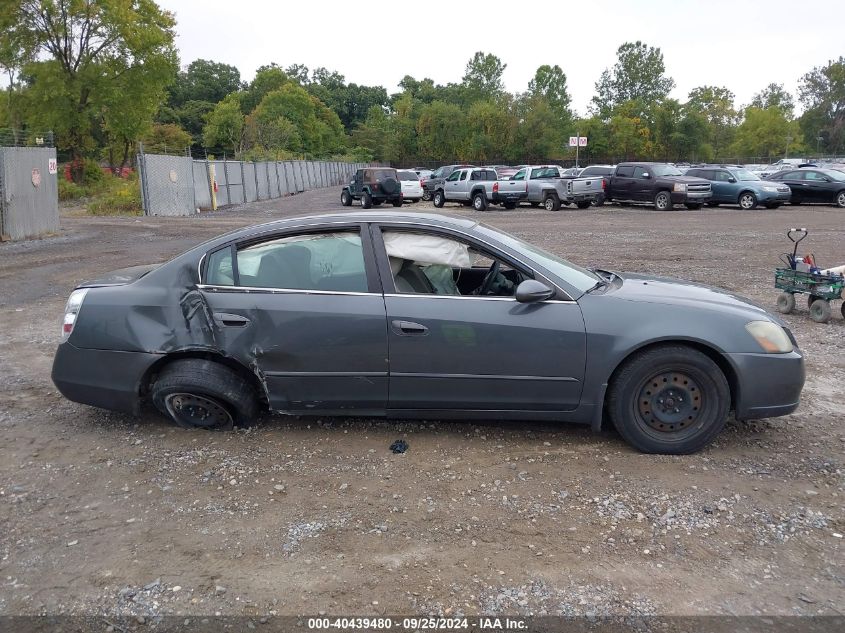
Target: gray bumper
101	378
769	385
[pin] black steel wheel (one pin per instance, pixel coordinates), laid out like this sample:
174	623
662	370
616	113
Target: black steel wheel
786	302
199	393
426	196
671	399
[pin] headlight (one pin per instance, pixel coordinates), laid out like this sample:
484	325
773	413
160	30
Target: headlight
771	189
770	336
679	187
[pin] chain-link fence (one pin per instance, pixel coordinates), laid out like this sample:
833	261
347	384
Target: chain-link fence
29	198
180	185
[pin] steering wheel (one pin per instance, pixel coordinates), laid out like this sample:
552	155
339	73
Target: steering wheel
489	278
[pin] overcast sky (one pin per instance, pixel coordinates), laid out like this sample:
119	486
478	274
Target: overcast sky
741	44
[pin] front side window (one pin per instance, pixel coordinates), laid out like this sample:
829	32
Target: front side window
319	261
433	264
640	172
453	176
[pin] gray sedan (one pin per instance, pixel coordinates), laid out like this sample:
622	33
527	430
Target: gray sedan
421	316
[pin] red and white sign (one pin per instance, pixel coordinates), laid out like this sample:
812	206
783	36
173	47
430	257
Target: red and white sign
577	141
52	166
36	178
582	141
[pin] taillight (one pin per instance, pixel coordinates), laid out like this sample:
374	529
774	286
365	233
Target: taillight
603	184
495	187
74	303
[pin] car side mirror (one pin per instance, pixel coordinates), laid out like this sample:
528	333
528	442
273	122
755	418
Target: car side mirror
646	175
731	179
531	291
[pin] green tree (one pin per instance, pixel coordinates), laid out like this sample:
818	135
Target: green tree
166	138
483	77
86	52
374	133
538	134
490	132
639	75
267	79
766	132
550	82
225	127
630	134
440	130
205	81
717	105
775	95
822	91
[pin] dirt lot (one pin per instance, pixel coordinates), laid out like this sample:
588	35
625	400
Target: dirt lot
107	514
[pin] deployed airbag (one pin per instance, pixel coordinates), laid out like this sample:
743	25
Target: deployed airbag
427	249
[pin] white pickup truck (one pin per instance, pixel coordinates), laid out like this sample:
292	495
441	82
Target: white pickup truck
478	186
547	185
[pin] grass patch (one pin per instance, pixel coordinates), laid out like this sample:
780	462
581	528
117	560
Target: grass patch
117	196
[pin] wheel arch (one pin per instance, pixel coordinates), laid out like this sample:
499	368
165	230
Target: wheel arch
227	361
708	350
743	192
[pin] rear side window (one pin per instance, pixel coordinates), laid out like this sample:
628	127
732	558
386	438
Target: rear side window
322	261
626	171
520	175
463	175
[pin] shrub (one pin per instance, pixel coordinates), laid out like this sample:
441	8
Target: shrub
70	190
117	196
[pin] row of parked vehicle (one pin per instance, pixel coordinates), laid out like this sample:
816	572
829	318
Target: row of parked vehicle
663	185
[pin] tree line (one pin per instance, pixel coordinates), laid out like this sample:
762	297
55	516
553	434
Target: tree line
104	75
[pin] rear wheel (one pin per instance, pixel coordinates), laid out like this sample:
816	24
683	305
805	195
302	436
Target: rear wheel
671	399
426	196
820	311
345	198
840	199
663	201
479	202
439	199
584	204
366	200
842	309
786	302
198	393
551	203
747	201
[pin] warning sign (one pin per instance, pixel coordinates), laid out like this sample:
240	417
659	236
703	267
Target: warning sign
52	166
36	178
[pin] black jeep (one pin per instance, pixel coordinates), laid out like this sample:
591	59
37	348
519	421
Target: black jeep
372	186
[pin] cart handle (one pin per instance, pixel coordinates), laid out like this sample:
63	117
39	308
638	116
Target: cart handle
802	231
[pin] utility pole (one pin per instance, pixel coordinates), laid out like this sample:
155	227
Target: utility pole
577	146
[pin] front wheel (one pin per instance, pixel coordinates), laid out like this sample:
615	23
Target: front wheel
479	202
584	204
747	201
663	201
197	393
786	302
346	199
439	199
671	399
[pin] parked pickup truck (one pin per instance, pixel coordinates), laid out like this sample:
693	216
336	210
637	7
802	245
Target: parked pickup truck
478	186
546	185
661	184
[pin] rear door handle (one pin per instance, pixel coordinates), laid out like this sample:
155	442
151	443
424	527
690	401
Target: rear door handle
230	320
409	327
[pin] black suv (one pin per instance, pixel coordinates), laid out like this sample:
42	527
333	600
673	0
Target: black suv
372	186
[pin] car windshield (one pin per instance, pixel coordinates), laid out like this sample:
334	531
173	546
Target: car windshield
665	170
745	175
577	277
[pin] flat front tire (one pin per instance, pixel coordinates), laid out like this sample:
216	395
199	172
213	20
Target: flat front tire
198	393
670	399
786	302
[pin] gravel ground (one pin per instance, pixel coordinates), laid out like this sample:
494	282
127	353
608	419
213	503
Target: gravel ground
109	515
